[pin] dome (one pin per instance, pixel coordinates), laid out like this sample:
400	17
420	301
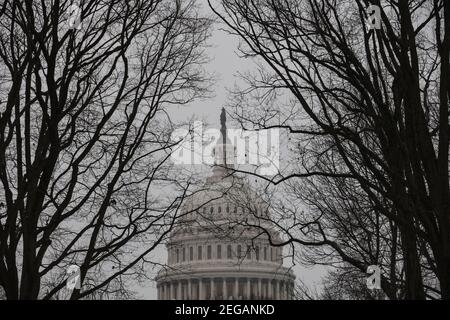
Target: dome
217	250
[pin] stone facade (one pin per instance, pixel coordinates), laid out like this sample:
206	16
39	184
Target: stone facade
204	268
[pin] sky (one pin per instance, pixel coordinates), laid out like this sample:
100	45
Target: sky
224	65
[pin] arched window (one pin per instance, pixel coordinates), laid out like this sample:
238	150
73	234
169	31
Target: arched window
271	254
229	255
249	252
191	253
178	255
184	254
235	209
228	209
265	253
257	253
220	209
211	210
239	251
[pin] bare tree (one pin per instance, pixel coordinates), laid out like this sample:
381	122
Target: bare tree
367	109
347	285
85	138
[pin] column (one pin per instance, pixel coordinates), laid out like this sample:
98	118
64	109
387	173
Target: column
194	287
200	289
266	289
259	289
212	288
280	290
179	296
236	288
224	289
291	291
248	289
171	294
287	285
277	290
189	295
269	284
165	291
168	291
